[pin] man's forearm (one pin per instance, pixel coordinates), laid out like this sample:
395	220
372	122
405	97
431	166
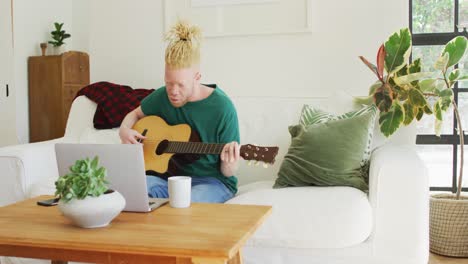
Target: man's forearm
129	120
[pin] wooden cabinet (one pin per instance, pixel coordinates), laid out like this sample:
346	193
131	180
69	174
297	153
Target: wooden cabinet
53	83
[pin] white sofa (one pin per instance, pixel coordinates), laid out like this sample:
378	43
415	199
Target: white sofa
308	224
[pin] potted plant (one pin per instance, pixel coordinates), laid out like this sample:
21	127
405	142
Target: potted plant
401	93
85	197
58	36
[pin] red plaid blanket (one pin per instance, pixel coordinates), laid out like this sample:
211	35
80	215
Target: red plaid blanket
114	102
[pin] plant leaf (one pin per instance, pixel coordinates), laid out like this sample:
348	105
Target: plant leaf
380	61
456	49
363	100
438	111
406	79
417	98
415	66
453	76
401	72
463	77
383	98
430	85
398	50
442	62
84	180
402	93
457	75
410	113
427	110
420	113
437	127
446	97
95	162
390	121
446	93
371	66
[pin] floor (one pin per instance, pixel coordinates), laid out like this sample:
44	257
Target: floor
437	259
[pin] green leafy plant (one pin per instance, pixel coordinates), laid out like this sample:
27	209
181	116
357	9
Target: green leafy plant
58	35
402	91
85	179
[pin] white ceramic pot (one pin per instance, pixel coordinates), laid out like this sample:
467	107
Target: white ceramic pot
93	212
59	50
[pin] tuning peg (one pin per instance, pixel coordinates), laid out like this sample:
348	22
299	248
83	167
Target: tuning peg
265	165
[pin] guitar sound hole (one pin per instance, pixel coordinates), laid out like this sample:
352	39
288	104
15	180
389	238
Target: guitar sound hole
162	146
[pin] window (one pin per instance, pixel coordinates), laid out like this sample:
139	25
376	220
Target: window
433	23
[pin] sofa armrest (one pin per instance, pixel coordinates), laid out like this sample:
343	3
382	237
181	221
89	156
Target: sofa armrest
399	196
25	166
80	117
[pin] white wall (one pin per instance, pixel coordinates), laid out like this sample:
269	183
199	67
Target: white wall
125	42
125	46
33	21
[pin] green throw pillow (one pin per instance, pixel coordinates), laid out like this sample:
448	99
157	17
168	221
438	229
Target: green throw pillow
328	150
311	115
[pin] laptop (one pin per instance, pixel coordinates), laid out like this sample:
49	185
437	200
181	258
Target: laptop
125	170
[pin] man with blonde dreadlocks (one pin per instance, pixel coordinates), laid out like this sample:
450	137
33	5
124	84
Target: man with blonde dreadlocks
206	108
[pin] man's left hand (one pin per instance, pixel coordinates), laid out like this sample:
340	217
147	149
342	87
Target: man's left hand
231	152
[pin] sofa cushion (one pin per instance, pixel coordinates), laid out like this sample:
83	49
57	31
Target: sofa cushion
100	136
328	154
310	217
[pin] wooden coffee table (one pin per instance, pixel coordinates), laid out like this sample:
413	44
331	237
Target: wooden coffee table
203	233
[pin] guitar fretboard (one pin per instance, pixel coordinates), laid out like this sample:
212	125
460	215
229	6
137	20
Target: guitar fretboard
194	147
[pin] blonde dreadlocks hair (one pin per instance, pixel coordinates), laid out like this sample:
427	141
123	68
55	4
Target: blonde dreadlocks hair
183	49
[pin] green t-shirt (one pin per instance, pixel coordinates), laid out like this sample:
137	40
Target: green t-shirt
213	118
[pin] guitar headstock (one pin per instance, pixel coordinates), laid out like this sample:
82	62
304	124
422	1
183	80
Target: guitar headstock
258	153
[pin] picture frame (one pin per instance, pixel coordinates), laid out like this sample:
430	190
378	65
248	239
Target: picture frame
227	18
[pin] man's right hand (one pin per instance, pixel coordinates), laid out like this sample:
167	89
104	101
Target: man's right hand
129	136
126	134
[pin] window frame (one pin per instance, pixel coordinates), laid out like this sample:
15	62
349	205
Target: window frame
432	39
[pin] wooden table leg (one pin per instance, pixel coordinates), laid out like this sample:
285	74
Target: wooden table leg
59	262
237	259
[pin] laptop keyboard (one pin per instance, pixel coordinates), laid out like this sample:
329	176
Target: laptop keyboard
157	202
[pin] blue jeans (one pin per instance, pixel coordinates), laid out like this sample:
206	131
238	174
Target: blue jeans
204	189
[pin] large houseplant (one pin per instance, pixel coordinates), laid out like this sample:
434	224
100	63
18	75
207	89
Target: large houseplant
401	93
85	197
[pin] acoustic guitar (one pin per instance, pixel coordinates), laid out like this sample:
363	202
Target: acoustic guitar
163	141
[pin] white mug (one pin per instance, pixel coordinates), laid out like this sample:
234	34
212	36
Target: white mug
179	191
